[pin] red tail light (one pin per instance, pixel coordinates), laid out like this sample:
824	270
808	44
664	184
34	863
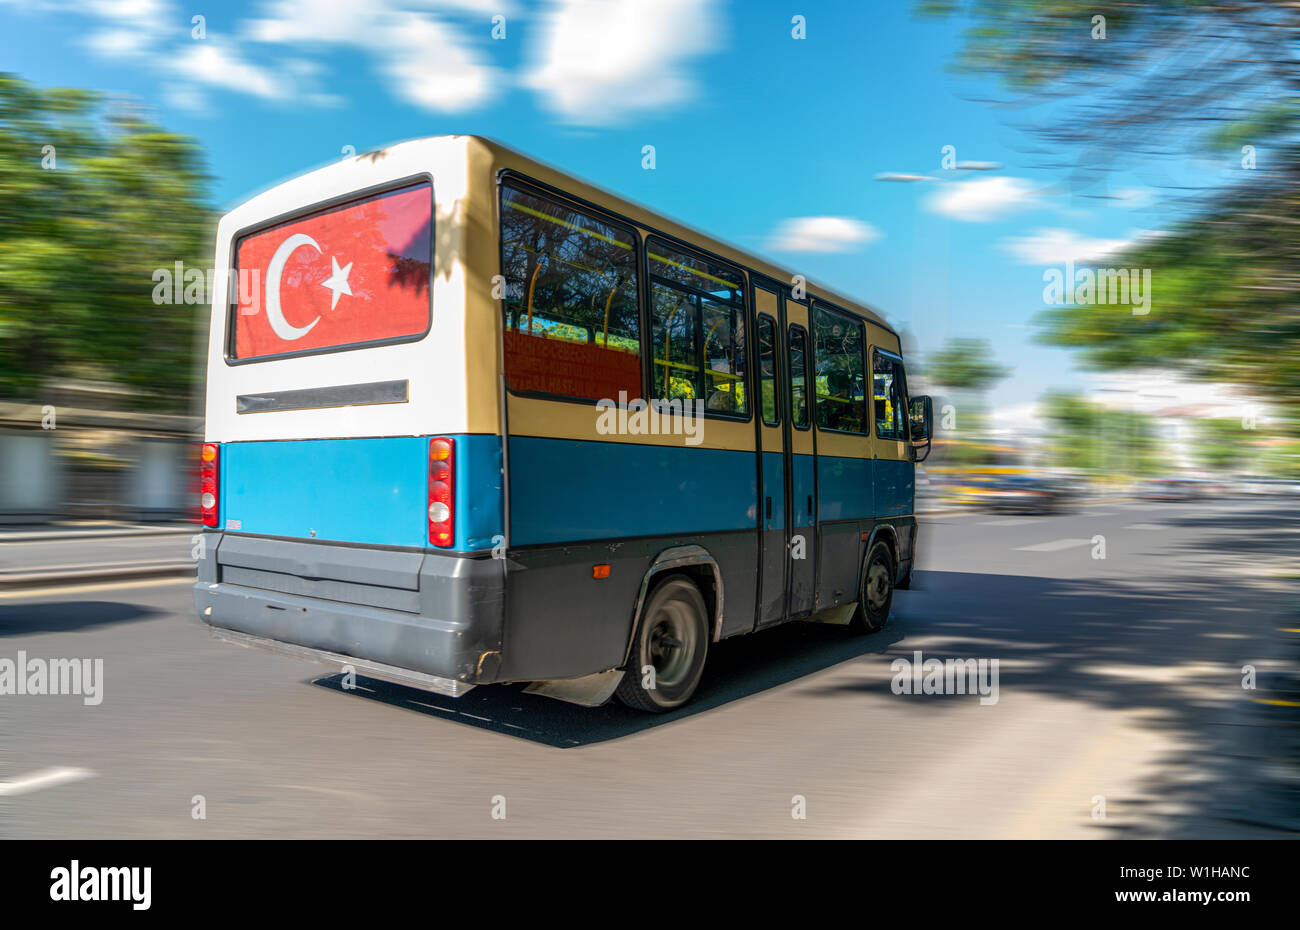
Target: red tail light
442	470
209	497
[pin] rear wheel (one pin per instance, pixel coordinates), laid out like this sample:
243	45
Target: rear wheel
668	652
876	589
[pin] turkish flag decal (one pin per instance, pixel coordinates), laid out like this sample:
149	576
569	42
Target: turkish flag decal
351	274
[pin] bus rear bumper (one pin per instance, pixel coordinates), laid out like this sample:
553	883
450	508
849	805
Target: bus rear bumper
441	633
362	667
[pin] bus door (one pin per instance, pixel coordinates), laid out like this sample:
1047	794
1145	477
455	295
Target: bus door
893	461
800	460
774	499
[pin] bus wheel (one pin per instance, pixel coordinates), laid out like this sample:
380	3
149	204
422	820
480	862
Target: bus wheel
877	589
668	652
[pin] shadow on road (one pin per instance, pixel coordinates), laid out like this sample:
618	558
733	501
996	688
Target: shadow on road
69	616
736	669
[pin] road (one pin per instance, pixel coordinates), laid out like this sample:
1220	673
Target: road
1120	687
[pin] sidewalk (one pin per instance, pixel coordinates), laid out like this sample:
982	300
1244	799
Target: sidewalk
83	553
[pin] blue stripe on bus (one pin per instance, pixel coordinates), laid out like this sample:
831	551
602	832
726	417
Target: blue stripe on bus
774	487
569	490
367	491
803	489
895	484
844	488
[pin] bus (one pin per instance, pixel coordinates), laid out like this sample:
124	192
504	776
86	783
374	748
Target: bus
471	420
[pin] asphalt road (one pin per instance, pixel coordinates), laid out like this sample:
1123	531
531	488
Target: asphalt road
1120	684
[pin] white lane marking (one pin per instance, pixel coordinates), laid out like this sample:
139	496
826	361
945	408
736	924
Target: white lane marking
1054	545
1144	526
1008	522
45	778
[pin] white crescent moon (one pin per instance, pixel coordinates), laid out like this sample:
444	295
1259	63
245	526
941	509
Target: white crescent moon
274	315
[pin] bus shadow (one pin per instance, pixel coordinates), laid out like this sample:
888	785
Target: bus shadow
737	668
69	616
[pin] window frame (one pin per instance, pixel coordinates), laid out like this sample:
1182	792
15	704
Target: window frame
803	338
818	303
759	319
906	399
741	308
648	229
351	198
591	211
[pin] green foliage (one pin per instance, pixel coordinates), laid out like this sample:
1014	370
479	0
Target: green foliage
83	227
1091	438
1173	76
1220	445
965	365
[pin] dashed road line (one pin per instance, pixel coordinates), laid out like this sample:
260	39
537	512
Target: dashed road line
45	778
1054	546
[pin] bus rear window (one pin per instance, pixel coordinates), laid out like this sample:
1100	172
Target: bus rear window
351	275
572	323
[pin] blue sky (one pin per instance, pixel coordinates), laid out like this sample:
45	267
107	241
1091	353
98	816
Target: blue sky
765	140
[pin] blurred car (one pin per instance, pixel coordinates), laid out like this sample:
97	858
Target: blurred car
1170	489
1026	494
1269	486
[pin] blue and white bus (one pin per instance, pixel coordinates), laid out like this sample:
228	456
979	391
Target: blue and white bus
471	420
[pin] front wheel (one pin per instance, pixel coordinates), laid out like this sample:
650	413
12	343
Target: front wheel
876	589
668	652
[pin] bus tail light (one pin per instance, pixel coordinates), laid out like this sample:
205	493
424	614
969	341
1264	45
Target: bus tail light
208	494
441	491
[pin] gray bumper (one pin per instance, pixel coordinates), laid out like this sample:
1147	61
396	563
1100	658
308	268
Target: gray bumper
427	612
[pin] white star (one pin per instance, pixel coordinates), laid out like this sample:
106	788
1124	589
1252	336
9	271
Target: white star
338	281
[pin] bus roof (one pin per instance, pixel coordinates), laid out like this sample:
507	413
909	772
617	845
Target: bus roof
505	157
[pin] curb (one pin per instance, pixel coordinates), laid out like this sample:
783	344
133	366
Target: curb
88	574
71	535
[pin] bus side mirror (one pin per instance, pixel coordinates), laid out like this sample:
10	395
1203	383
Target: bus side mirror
921	413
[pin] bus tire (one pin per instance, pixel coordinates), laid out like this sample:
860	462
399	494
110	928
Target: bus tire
672	638
875	589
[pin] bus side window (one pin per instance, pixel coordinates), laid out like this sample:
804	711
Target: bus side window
697	322
572	317
890	396
767	370
798	377
838	361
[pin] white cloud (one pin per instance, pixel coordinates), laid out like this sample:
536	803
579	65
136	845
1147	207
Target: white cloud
118	43
823	234
598	61
428	67
983	199
1057	246
1135	197
218	64
903	176
130	28
424	58
306	21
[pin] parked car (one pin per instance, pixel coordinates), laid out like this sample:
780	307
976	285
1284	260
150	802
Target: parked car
1026	494
1170	489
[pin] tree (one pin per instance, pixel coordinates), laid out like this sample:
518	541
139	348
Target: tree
93	200
965	365
1157	78
1088	437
